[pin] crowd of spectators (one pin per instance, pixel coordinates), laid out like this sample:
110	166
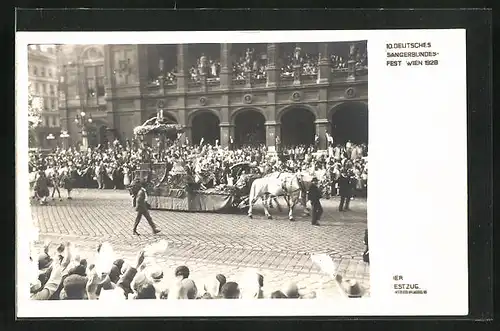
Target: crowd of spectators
65	275
113	166
309	64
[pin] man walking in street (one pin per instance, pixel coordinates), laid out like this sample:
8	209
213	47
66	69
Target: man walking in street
142	207
345	190
56	180
314	195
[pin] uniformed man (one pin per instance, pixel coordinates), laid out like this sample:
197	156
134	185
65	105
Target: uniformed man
314	195
141	205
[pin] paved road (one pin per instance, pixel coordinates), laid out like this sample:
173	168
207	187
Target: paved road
208	242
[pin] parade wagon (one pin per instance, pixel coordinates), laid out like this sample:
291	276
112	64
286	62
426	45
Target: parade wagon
179	189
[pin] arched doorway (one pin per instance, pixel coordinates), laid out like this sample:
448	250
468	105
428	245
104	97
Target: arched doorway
350	123
249	128
205	125
297	127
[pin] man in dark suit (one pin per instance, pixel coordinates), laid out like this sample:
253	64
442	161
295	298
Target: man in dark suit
142	207
314	195
345	190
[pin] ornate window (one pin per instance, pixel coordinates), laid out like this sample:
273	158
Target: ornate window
42	71
35	71
95	80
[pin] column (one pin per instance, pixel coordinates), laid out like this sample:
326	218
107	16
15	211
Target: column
226	70
351	63
109	85
226	131
272	131
321	130
203	82
273	72
324	71
182	67
248	78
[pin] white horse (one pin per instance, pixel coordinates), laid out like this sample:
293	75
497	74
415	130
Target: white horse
287	185
305	179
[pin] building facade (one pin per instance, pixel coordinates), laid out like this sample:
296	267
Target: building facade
43	82
200	88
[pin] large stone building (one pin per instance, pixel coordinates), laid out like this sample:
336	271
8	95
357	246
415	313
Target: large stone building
43	82
277	95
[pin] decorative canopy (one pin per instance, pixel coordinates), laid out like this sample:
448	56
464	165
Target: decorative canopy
158	126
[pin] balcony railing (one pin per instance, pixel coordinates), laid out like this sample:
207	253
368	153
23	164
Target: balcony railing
336	75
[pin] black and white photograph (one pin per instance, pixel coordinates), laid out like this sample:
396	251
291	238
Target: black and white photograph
199	171
195	166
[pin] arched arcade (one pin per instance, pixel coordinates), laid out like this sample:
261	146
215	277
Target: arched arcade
249	127
297	126
349	122
205	125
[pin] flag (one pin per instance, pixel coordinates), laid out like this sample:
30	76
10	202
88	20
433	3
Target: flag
105	258
325	264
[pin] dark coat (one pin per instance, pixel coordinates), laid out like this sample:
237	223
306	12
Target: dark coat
42	186
140	202
345	186
314	193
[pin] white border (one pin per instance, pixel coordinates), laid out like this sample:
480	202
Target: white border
418	180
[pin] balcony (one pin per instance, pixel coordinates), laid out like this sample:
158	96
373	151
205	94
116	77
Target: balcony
213	84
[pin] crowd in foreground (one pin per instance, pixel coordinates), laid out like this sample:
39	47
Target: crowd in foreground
64	275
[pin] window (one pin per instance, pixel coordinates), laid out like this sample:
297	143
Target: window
52	92
37	88
44	89
54	121
49	104
35	71
49	72
42	71
45	104
95	81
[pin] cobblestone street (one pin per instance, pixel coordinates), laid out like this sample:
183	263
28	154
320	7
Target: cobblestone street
217	243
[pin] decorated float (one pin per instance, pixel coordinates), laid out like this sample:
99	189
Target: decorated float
173	185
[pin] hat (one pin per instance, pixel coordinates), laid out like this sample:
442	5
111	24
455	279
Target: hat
350	287
156	273
291	290
74	285
44	261
182	271
139	280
